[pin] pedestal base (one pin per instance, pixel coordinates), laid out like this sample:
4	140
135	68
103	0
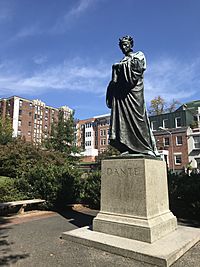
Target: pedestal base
163	252
135	228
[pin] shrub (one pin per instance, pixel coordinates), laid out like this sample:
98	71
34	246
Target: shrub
8	190
90	189
55	184
184	195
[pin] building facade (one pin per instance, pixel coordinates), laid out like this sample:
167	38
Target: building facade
177	136
31	119
92	136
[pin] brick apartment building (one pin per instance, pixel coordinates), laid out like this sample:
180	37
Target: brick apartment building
92	136
31	119
177	136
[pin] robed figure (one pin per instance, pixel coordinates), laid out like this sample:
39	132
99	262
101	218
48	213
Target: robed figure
130	130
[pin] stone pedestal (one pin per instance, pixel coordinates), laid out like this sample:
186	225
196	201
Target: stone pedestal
134	200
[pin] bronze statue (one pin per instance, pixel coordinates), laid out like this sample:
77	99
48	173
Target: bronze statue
130	130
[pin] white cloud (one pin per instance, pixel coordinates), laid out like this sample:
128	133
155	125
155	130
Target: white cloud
172	79
166	77
70	75
82	6
40	59
75	12
31	30
60	26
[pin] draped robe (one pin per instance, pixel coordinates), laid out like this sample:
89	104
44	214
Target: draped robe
130	129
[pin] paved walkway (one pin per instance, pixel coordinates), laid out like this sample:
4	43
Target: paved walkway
33	240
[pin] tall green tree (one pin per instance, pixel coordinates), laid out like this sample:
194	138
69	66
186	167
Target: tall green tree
6	131
62	135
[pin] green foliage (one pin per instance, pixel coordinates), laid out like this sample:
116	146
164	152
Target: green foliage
62	135
19	156
90	189
157	106
9	191
55	184
39	173
5	131
184	195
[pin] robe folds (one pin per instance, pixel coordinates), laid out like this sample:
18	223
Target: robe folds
129	129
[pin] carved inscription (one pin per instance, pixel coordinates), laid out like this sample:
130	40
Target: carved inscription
123	171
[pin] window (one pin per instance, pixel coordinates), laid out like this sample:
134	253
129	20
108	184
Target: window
88	134
103	132
103	142
88	125
178	159
177	122
19	132
153	125
88	143
20	112
29	133
165	123
166	141
198	163
179	140
19	123
30	113
196	142
20	103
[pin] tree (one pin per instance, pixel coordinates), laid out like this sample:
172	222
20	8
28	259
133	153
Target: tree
173	105
160	106
62	135
6	131
157	106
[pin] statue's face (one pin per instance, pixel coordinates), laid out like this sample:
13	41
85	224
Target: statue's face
125	47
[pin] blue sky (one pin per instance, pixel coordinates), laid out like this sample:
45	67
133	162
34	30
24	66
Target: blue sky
62	51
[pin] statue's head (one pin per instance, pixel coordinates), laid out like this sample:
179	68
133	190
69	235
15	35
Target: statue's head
126	43
126	38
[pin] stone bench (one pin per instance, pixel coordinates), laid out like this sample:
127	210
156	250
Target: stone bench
18	206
